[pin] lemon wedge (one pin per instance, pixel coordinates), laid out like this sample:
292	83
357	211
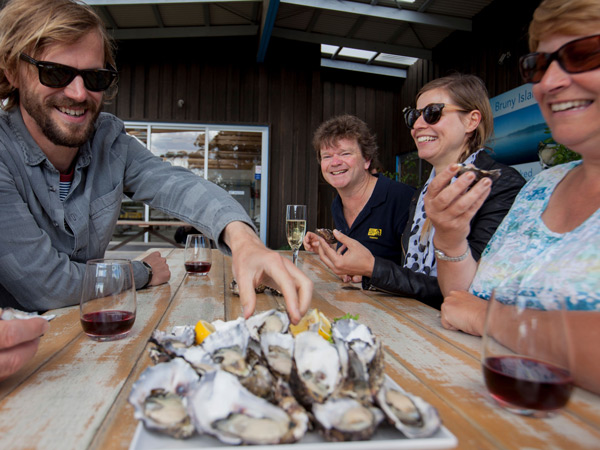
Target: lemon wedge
324	326
313	320
203	329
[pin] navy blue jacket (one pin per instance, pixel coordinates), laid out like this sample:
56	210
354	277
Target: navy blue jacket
380	224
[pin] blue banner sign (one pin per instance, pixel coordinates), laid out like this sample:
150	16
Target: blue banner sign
519	126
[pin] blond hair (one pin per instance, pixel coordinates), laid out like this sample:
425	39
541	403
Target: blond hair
563	17
30	26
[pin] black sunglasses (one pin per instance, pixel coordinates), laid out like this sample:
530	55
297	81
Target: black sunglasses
56	75
576	56
432	113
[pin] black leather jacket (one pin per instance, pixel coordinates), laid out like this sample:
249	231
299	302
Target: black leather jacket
396	279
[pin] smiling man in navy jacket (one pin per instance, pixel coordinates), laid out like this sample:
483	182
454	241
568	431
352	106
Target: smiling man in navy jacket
370	208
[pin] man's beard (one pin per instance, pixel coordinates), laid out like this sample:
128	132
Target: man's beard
76	134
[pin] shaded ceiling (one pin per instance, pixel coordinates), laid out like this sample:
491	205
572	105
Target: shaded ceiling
377	36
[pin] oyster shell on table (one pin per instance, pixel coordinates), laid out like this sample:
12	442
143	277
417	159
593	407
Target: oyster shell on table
158	398
316	371
410	414
346	419
220	406
235	290
479	173
361	358
326	234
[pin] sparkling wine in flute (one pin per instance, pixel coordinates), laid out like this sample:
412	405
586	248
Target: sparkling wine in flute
295	220
295	232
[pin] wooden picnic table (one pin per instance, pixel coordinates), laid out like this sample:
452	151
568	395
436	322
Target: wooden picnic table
73	394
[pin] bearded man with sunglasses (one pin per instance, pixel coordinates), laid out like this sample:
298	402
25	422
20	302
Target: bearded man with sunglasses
65	167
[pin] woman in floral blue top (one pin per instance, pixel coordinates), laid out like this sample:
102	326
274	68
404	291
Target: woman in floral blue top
550	238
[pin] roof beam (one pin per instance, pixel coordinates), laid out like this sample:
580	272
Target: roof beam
157	16
357	67
270	8
453	23
184	32
352	43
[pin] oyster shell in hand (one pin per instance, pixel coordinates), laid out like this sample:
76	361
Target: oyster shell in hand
11	314
326	234
479	173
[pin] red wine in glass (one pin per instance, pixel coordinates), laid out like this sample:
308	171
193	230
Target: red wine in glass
108	323
197	267
527	383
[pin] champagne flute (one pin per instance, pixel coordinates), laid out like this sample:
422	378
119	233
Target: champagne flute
295	221
526	351
108	299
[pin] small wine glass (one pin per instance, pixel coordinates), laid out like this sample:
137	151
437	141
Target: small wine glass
108	299
526	351
295	223
197	256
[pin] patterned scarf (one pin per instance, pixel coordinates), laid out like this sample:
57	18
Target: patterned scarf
420	256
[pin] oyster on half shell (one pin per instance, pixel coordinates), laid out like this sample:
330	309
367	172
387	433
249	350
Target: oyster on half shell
346	419
220	406
228	345
410	414
361	359
316	371
271	321
278	351
158	398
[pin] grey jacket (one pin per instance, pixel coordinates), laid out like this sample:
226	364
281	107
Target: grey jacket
45	243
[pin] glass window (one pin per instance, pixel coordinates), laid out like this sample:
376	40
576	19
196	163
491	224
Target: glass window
233	157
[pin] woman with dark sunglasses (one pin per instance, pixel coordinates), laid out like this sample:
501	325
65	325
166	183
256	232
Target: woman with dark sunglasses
550	238
451	124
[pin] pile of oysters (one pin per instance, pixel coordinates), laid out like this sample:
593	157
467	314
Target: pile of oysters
252	382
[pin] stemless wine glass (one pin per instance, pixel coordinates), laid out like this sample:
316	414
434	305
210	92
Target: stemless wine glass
108	299
526	351
295	223
197	256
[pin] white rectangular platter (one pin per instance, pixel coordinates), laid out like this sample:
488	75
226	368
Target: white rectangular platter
385	438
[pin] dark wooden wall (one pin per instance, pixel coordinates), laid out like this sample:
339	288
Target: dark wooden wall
220	82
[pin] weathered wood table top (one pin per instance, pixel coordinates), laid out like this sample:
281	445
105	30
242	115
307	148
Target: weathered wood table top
73	394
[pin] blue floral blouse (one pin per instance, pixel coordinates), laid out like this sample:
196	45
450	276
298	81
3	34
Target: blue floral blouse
525	253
